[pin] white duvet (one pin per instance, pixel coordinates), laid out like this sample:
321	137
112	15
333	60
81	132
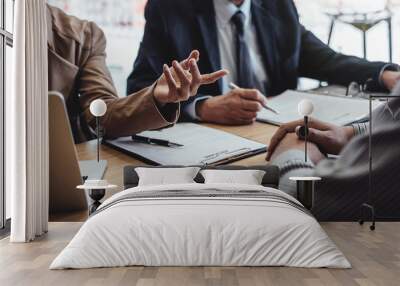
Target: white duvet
200	231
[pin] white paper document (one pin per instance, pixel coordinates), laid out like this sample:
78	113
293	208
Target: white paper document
201	146
337	110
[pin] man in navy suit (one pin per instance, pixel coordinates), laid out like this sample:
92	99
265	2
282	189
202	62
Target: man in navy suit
260	42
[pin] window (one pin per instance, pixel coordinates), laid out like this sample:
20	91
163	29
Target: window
6	43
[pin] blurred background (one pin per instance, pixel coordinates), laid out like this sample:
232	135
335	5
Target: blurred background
123	23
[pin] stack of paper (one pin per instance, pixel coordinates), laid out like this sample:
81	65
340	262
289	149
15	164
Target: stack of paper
337	110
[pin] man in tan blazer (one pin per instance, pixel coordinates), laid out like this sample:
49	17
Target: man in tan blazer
77	69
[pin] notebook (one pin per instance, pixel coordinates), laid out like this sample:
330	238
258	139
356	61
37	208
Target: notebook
338	110
201	146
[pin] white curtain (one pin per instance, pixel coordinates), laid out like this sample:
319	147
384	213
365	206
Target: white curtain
27	124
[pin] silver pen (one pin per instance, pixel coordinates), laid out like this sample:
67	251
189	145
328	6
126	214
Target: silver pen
234	86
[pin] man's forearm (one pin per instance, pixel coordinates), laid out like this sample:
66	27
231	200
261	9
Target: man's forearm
136	113
321	62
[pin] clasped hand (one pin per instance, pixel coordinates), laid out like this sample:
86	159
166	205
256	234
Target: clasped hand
328	138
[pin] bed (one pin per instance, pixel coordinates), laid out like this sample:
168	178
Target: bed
197	224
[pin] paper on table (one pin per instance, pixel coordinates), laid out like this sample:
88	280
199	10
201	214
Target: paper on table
201	145
337	110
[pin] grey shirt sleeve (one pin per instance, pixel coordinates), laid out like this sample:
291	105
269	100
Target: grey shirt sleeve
292	164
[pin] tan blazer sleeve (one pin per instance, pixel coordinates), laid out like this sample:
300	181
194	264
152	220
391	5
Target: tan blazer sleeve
126	115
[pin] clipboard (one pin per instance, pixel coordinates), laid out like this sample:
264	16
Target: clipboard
201	146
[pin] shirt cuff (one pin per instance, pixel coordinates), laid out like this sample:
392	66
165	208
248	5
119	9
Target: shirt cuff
360	128
169	111
387	67
190	108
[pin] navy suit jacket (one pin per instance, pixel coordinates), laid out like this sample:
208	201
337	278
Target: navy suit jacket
176	27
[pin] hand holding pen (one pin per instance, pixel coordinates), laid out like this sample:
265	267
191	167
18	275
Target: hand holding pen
263	103
238	106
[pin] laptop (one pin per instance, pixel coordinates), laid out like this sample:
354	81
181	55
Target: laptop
66	171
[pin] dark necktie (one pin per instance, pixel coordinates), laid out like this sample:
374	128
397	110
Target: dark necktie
245	75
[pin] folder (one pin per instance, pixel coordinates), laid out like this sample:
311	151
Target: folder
201	146
338	110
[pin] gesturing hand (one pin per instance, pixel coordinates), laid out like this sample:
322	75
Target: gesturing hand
328	137
239	106
182	80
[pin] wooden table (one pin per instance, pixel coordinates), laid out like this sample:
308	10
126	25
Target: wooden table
259	132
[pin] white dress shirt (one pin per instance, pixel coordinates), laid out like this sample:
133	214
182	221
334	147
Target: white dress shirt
224	11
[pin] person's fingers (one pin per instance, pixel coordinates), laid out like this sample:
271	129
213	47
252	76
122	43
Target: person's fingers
248	115
213	77
312	123
196	76
323	139
184	90
291	126
299	130
275	140
318	137
318	124
250	105
252	94
172	86
195	55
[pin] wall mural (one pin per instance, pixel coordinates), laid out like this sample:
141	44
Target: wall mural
123	23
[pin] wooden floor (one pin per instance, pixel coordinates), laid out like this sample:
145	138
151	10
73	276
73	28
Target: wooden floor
375	257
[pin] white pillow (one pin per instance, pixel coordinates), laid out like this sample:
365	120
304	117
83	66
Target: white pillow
166	176
242	177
